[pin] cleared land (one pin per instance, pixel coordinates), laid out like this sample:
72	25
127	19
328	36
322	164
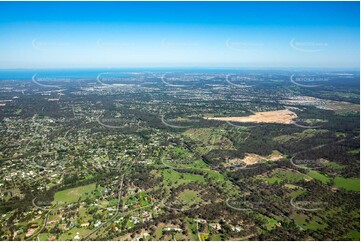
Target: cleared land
251	159
73	194
190	197
280	116
350	184
282	175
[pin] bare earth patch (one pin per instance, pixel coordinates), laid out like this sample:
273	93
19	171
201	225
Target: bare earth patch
251	159
280	117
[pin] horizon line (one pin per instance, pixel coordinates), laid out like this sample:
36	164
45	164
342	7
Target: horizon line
179	67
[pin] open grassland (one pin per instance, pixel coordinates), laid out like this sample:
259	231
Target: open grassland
353	235
333	165
305	222
270	222
209	139
176	178
319	176
298	136
73	194
350	184
282	175
190	197
178	174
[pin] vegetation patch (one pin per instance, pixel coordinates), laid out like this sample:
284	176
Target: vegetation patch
305	134
308	222
176	178
282	175
352	235
319	176
74	194
349	184
209	139
333	165
190	197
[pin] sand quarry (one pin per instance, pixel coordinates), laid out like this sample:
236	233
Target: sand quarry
280	117
251	159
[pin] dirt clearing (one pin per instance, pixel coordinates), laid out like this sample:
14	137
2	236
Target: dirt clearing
280	117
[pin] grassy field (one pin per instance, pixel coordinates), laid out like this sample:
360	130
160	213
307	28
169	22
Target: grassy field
190	197
318	176
204	237
140	198
271	222
297	192
73	232
283	176
179	153
308	133
209	139
186	163
334	165
355	152
215	237
192	229
73	194
353	235
44	236
158	232
349	184
176	178
314	223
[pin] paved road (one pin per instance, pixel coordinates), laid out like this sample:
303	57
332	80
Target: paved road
116	213
44	224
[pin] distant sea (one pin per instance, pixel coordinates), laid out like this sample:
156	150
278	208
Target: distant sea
27	74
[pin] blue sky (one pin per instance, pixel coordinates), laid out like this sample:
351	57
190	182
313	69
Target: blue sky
179	34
